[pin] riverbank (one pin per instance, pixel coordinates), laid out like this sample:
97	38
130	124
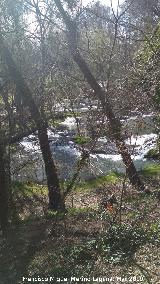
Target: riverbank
88	240
32	198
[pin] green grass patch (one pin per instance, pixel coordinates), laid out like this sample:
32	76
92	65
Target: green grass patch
75	211
72	114
151	170
28	189
115	246
56	122
94	183
80	140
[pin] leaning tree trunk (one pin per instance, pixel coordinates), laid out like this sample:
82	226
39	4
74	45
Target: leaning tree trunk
114	123
55	198
4	200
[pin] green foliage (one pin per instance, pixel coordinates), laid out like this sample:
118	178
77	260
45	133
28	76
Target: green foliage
28	189
153	154
121	242
118	245
13	148
154	232
151	170
75	211
96	182
55	122
150	47
71	260
81	140
81	254
71	114
55	215
113	177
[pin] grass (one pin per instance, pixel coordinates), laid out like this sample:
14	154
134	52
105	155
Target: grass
81	140
71	114
30	199
151	170
111	178
82	241
28	189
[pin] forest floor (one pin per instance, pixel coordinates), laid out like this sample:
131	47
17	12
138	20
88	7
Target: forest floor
88	242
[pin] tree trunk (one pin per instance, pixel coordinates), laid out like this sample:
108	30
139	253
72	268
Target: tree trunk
55	198
115	125
4	200
130	167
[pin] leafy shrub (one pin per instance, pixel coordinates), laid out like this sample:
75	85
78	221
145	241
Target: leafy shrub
81	140
151	170
121	242
153	154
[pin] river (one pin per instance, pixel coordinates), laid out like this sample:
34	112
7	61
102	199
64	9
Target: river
66	153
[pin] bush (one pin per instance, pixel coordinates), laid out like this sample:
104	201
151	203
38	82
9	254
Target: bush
121	242
81	140
153	154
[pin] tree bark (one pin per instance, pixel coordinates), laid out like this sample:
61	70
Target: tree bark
4	198
55	198
115	125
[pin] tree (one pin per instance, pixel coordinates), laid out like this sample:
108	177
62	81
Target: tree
4	183
115	126
147	76
143	12
13	12
55	199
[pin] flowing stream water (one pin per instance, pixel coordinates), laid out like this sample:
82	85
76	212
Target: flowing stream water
66	153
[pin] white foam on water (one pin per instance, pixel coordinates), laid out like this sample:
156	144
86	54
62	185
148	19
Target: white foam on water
30	146
102	139
136	117
142	144
141	140
67	155
68	150
69	122
107	157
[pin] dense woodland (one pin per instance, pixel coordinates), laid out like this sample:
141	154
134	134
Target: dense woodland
79	141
